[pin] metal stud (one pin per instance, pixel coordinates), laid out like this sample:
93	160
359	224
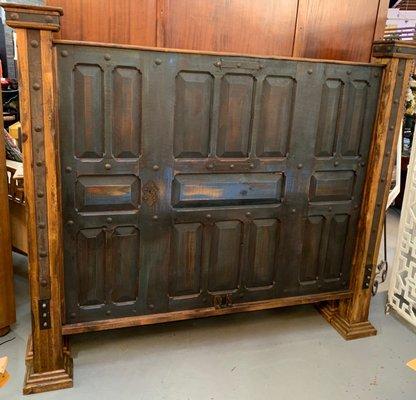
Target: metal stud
231	166
362	163
400	73
36	86
329	209
210	166
45	324
39	163
217	63
293	210
248	214
68	169
391	127
70	222
158	61
107	57
155	167
109	220
64	53
73	315
238	65
38	128
44	305
252	165
208	216
43	254
310	71
107	166
40	193
376	74
34	43
300	166
151	306
44	315
396	101
155	217
41	225
14	16
48	19
44	283
336	163
108	312
348	72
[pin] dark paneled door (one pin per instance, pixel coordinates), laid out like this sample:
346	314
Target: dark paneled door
198	180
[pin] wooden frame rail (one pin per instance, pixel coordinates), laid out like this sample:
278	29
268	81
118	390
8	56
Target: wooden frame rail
49	365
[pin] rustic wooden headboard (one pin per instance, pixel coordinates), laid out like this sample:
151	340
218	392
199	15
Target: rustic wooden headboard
163	185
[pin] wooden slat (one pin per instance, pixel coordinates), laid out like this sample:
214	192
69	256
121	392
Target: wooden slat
71	329
341	30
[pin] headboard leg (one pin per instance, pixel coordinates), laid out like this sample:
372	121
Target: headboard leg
49	365
350	317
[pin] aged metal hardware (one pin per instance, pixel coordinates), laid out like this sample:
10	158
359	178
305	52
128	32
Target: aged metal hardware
44	314
367	276
233	64
150	193
223	300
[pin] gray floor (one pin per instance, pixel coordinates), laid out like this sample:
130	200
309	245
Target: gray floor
285	354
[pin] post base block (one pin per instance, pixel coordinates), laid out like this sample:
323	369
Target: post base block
50	380
347	330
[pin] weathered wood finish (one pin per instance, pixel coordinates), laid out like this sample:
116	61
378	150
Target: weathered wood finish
350	317
7	304
48	368
204	195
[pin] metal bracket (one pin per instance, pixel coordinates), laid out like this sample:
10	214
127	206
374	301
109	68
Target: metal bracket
223	300
44	314
367	276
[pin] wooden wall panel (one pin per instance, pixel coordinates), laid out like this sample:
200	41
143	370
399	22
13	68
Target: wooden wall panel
336	30
241	26
111	21
326	29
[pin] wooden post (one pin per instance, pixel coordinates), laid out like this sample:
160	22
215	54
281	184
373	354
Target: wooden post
350	317
7	305
49	365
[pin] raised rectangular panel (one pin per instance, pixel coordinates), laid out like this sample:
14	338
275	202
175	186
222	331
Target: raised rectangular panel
263	242
91	267
311	243
125	248
107	193
193	114
331	186
185	273
357	102
336	246
276	116
225	257
328	118
88	105
226	189
235	111
127	112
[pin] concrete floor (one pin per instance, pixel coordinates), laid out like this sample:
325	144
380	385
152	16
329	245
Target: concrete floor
289	353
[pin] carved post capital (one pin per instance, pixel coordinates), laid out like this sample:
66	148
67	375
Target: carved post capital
25	16
394	49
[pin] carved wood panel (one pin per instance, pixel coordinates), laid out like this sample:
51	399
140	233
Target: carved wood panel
189	176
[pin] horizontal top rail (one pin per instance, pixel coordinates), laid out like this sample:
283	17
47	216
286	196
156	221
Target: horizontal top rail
212	53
